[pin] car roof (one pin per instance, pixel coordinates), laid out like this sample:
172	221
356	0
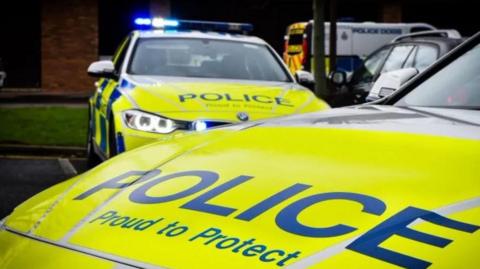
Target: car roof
198	34
449	42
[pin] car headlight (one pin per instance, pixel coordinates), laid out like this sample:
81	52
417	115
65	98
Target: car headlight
147	122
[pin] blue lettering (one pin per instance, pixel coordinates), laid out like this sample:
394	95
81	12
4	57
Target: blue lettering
254	250
272	201
200	204
266	99
216	96
114	183
210	232
119	221
184	97
282	101
226	244
105	216
289	256
139	195
264	257
369	243
287	219
229	98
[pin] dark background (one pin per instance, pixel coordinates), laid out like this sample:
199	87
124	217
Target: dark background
20	42
20	46
270	18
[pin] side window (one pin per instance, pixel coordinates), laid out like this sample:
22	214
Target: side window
426	55
370	67
119	55
396	58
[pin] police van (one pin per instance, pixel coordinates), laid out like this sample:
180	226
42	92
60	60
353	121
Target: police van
355	40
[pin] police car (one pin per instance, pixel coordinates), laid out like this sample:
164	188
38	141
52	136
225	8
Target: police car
375	186
175	76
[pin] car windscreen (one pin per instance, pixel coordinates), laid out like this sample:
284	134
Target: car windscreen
457	85
295	39
206	58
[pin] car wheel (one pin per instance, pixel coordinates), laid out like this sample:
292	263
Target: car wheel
92	158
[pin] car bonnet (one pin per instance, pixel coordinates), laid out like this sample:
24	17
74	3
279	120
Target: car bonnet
189	99
294	194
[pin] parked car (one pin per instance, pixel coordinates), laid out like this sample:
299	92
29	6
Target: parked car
417	50
355	41
370	186
192	77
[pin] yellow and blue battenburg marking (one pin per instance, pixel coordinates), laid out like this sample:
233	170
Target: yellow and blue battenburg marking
191	106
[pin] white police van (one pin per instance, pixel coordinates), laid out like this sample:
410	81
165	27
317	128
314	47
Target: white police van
355	41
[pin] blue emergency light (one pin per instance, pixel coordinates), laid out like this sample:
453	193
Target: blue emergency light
161	23
200	125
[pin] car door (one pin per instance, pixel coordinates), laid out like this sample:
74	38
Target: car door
364	77
105	88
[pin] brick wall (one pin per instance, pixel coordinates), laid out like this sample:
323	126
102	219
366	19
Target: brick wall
69	43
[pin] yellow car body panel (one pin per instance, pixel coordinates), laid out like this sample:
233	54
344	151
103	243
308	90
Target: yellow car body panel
51	256
304	191
190	101
187	98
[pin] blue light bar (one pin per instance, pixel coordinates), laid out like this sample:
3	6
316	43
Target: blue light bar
143	21
215	26
161	23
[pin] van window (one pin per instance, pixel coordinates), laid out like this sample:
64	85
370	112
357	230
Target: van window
296	39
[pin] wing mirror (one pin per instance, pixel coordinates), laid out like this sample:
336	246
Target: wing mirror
389	82
305	79
102	69
338	78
